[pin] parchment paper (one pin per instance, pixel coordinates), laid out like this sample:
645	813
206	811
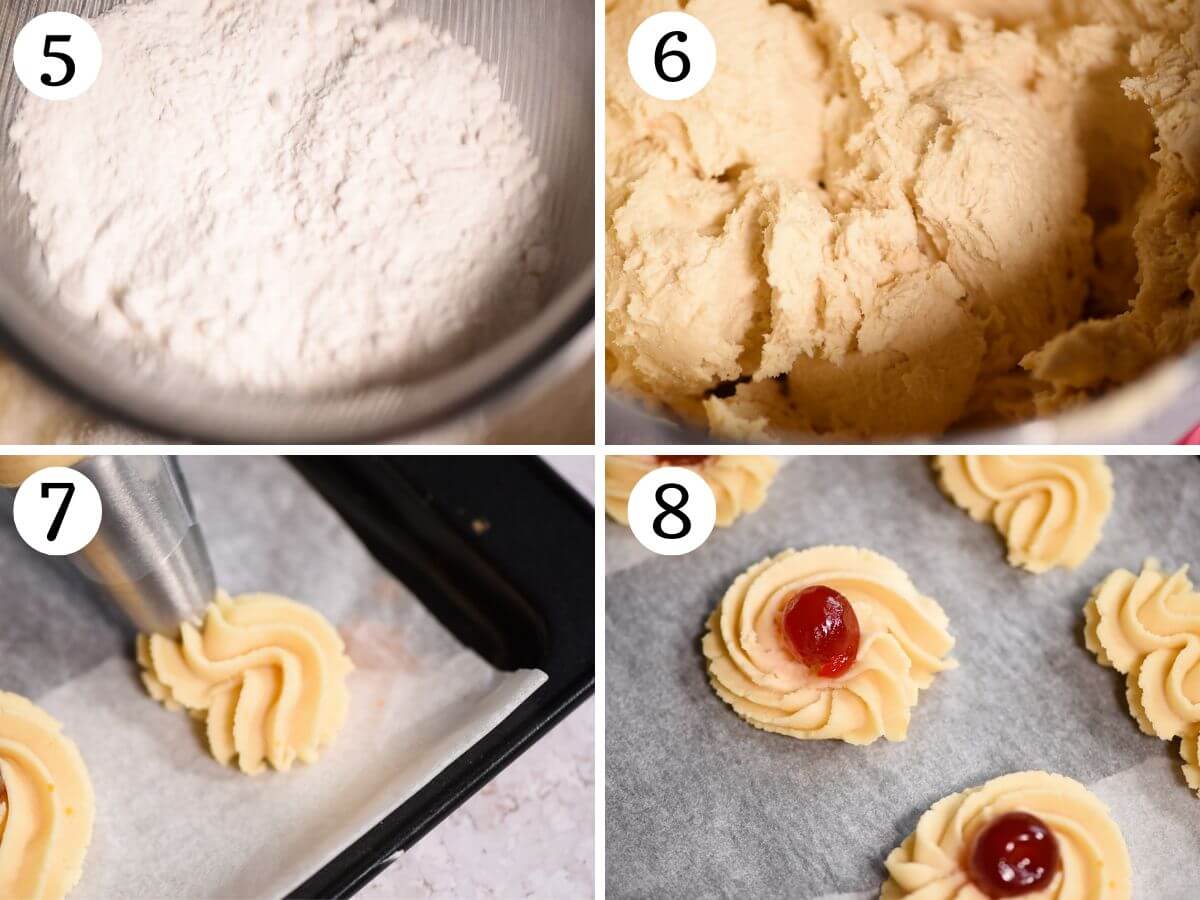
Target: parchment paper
700	804
170	821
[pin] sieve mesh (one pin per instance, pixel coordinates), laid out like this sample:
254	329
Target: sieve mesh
544	52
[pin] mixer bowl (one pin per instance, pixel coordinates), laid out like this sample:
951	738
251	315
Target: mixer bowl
544	52
1158	408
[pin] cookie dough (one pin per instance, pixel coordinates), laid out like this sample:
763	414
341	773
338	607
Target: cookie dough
1190	750
1050	509
1147	627
47	807
266	674
904	644
1094	859
739	483
890	218
15	469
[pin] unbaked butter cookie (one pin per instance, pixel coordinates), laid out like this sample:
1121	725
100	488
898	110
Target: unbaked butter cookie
739	483
46	804
1147	627
1029	834
1050	509
830	642
267	676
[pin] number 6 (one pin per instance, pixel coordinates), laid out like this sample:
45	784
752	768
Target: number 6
661	55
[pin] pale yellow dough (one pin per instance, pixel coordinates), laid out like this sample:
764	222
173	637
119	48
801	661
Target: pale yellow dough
904	643
739	483
266	674
1094	859
15	469
1147	627
47	807
895	217
1190	750
1049	509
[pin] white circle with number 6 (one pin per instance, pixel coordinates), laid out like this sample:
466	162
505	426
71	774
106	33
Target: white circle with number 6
672	510
672	56
57	56
57	511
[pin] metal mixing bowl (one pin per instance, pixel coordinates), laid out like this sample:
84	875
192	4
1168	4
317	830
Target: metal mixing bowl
545	52
1158	408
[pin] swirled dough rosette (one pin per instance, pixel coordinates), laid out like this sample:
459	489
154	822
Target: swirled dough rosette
1147	626
904	642
1050	509
1190	750
46	804
1094	860
739	483
15	469
267	674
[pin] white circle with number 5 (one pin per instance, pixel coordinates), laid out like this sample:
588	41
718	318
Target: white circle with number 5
672	56
57	56
57	511
672	510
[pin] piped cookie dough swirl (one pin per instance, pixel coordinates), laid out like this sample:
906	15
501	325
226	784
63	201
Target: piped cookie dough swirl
46	804
903	644
739	483
1190	750
1049	509
15	469
267	674
1147	627
1092	859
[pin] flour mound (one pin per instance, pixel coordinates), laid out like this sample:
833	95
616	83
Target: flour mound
289	197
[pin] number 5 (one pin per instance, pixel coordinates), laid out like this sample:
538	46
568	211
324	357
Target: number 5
50	53
56	525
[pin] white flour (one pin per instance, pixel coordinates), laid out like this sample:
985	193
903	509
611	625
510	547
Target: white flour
290	196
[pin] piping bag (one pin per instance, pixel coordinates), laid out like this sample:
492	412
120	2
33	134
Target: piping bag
149	554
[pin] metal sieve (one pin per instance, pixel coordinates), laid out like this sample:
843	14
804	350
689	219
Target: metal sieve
544	51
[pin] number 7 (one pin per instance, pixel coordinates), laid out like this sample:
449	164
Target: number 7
67	486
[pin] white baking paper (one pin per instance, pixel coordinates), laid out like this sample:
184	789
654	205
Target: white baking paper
699	804
171	822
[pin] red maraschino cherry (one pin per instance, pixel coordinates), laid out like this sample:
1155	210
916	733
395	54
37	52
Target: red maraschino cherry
820	629
1014	855
681	460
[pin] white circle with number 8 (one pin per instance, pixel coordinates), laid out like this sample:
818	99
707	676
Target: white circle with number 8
57	56
672	510
672	56
57	511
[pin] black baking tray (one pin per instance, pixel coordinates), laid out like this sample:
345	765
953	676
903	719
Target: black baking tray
501	550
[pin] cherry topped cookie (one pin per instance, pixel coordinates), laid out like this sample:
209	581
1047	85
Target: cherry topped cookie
739	483
47	806
1028	834
826	643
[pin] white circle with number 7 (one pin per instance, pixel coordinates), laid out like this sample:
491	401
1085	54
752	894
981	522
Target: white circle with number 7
57	511
57	56
672	510
672	56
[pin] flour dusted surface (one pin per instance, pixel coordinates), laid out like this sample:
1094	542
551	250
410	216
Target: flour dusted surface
289	196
